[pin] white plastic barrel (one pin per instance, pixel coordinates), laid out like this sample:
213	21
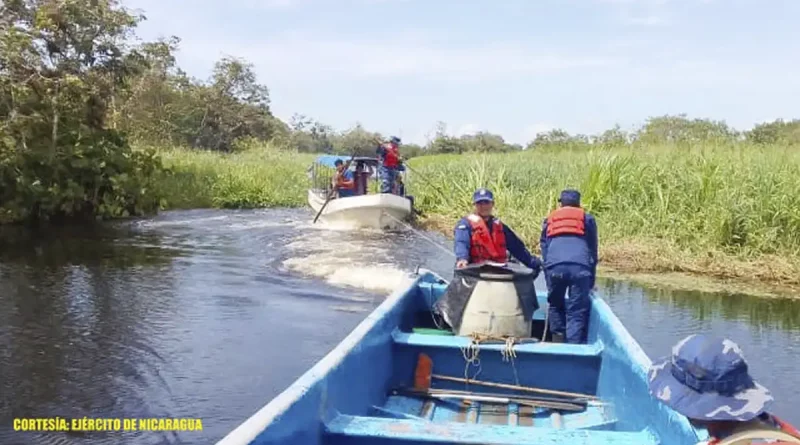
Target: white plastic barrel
494	309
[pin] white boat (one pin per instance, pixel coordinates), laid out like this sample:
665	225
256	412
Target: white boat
384	211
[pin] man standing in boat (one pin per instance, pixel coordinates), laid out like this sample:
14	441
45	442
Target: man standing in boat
389	154
344	182
706	380
569	251
481	237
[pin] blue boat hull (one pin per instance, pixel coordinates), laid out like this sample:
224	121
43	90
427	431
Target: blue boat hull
347	397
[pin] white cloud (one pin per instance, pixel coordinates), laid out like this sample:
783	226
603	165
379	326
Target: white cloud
640	12
645	20
531	131
466	129
310	55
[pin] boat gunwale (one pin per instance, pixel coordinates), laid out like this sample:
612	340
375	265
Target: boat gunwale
380	197
253	426
249	430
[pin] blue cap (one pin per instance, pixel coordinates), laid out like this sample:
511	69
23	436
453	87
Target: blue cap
570	197
482	194
706	378
395	139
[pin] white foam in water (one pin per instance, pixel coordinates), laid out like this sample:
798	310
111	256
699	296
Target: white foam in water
255	225
342	261
180	222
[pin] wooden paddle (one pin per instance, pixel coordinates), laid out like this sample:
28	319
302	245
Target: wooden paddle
333	192
501	399
424	373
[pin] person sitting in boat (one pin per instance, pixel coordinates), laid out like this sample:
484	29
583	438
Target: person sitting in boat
706	380
345	184
569	251
391	162
481	237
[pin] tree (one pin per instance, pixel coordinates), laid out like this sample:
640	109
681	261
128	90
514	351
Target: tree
61	64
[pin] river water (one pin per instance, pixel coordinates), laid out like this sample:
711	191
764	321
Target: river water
209	314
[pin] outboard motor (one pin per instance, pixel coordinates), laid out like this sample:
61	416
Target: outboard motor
490	299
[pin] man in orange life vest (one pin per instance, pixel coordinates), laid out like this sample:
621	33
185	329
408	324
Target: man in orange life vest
706	379
391	163
345	184
569	252
481	237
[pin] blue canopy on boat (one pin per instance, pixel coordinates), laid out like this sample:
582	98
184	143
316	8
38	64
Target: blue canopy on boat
330	160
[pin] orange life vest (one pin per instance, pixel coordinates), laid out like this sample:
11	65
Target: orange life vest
566	221
343	183
781	425
485	246
391	155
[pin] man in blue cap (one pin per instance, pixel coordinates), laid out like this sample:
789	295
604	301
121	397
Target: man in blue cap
480	237
391	163
706	380
569	251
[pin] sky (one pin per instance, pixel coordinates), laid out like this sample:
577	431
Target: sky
510	67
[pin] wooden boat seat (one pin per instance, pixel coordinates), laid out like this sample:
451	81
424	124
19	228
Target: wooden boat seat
377	430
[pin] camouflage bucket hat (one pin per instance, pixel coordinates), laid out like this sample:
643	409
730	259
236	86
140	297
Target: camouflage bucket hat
706	378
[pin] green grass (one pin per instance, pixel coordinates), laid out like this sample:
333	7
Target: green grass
261	176
727	211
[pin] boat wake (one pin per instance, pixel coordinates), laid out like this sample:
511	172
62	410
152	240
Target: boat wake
361	258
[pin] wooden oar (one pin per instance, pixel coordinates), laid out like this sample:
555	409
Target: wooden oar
582	402
330	196
494	398
424	373
333	192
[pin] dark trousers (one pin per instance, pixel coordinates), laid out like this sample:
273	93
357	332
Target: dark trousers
568	297
387	175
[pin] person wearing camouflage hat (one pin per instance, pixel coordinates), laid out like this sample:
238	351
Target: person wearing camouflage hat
706	379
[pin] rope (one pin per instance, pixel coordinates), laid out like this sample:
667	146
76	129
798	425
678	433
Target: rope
509	355
421	235
471	353
438	246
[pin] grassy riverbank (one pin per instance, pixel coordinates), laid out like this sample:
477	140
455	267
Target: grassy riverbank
262	176
666	215
724	212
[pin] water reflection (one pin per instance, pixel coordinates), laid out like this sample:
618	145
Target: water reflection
74	344
769	313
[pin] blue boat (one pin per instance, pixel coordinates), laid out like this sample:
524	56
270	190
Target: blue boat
371	388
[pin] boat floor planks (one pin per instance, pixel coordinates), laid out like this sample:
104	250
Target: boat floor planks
593	418
357	430
362	391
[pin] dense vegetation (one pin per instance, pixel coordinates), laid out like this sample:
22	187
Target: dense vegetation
95	126
727	210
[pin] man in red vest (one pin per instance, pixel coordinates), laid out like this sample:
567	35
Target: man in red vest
391	163
481	237
569	252
707	380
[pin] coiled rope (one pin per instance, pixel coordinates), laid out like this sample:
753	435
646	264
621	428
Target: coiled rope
471	353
